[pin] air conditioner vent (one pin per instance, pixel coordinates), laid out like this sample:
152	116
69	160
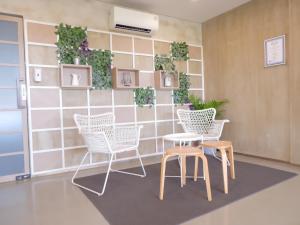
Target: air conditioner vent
137	29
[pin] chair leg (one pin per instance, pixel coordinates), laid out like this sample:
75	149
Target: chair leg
141	162
106	177
81	163
134	174
162	177
207	180
224	166
196	168
231	159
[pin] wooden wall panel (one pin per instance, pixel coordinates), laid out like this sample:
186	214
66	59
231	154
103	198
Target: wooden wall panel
234	66
294	83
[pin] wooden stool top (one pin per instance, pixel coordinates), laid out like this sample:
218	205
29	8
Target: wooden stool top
182	151
216	144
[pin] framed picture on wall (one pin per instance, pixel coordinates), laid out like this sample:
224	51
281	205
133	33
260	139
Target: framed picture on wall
275	51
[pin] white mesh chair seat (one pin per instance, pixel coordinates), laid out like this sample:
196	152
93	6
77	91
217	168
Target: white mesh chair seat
102	136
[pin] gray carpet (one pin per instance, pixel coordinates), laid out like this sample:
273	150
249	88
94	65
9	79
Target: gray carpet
130	200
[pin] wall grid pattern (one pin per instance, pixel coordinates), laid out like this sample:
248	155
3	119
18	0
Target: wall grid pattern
55	145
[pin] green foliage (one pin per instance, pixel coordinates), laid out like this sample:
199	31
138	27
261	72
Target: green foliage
144	96
164	62
69	41
72	42
101	64
179	51
181	95
198	104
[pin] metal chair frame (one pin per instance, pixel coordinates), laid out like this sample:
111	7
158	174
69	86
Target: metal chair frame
102	136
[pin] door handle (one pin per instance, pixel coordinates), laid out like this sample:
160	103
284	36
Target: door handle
22	94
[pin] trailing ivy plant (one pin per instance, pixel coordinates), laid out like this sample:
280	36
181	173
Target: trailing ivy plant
101	64
179	51
69	40
197	104
181	95
144	96
164	62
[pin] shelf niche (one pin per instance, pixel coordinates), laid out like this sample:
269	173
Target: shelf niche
125	78
84	73
159	80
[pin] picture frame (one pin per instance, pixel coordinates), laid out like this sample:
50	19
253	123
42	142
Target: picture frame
274	51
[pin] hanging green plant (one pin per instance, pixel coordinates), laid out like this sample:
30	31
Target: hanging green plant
69	40
181	95
101	64
179	51
164	62
144	96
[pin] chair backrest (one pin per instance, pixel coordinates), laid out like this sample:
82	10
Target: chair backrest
196	121
97	130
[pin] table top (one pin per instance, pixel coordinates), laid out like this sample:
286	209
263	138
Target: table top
183	137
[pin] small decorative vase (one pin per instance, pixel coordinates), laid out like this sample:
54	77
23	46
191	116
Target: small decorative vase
76	60
168	80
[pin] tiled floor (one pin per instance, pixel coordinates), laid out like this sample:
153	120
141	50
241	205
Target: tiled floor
53	200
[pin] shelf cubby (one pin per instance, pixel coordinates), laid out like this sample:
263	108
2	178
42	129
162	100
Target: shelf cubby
83	71
125	78
159	80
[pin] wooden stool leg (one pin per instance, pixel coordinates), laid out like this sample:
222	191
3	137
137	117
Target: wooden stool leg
207	179
231	160
196	168
224	166
162	177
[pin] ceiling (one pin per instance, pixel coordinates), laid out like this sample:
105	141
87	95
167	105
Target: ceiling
191	10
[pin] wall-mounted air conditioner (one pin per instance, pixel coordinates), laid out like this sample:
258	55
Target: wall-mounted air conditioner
133	21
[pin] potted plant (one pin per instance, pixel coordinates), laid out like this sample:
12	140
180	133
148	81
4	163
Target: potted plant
197	104
144	96
166	69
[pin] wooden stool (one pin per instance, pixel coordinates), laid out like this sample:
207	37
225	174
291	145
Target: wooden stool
224	147
183	152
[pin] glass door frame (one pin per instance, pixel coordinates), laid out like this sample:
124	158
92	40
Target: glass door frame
21	94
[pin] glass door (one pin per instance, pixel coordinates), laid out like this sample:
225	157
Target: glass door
14	157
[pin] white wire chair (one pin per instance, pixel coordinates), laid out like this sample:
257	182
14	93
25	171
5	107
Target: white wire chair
197	121
102	136
202	122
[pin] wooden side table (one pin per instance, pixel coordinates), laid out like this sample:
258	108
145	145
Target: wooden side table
224	147
184	152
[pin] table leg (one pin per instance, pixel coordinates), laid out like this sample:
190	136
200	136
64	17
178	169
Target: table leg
224	166
184	170
196	168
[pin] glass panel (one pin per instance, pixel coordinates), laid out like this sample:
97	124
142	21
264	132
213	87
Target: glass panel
9	53
10	143
9	30
8	76
8	98
11	121
13	164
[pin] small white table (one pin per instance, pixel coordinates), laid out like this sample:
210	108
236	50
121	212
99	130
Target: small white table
183	139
